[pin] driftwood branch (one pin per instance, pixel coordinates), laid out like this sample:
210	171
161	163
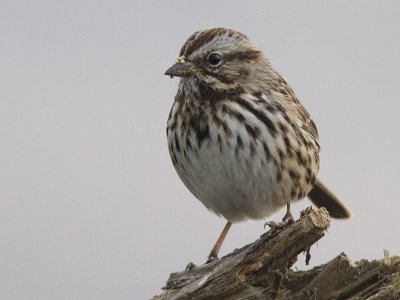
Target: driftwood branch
261	270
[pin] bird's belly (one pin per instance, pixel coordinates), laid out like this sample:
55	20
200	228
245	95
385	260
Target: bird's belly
236	182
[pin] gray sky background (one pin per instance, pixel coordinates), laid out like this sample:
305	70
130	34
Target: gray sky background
90	204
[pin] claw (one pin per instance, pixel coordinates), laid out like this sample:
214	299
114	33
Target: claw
211	258
276	226
286	221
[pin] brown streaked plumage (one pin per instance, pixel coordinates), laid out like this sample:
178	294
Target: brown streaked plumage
239	138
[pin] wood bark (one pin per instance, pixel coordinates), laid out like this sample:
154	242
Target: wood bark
261	270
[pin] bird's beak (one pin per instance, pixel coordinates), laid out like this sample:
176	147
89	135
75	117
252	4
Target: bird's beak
181	69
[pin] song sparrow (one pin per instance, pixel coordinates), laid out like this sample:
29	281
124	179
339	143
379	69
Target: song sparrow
238	137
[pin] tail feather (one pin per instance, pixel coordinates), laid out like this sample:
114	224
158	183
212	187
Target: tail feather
321	196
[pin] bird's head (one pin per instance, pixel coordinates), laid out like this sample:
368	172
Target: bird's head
222	59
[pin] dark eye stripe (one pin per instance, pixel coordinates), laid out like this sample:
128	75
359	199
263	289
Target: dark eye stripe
247	55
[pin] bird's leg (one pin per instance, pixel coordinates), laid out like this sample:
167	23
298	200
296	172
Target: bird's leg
288	218
214	251
286	221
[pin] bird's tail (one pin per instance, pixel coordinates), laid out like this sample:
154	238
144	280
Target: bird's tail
321	196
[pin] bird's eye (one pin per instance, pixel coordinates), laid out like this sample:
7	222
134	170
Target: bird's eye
214	59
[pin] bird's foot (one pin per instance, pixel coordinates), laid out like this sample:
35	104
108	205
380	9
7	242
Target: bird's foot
276	227
212	257
288	218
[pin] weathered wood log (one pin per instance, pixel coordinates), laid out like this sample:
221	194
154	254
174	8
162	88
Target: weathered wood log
261	270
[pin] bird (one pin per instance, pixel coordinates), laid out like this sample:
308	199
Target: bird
238	137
